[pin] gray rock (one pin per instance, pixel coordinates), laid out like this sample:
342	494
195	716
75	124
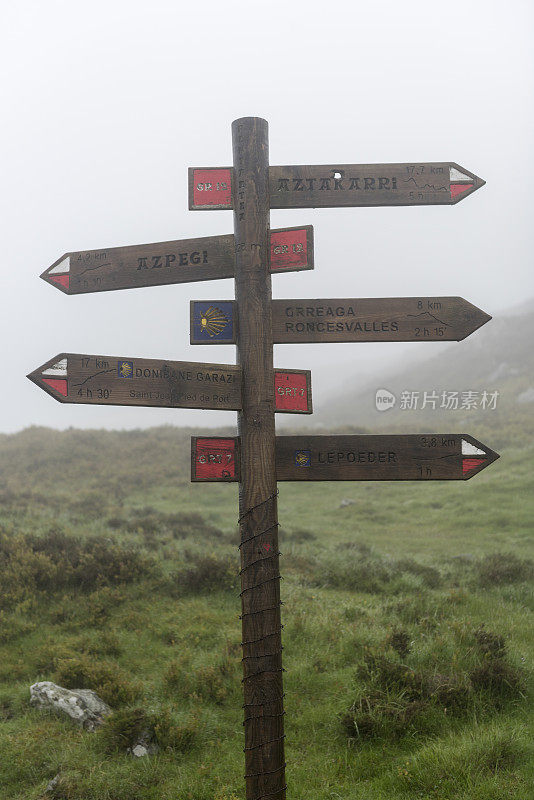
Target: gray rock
53	784
82	705
145	746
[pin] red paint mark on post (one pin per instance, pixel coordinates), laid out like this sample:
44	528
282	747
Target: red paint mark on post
215	459
290	391
459	188
289	249
58	385
212	187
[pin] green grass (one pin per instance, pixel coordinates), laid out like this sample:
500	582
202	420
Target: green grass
404	604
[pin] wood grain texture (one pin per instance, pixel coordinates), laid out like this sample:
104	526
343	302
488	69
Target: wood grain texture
260	583
376	319
124	381
402	457
127	381
368	457
347	185
353	319
165	263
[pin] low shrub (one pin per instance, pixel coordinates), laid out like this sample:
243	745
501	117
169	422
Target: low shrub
500	568
106	678
499	679
13	627
359	574
212	683
400	641
203	573
361	569
58	561
490	644
126	727
399	698
150	523
430	576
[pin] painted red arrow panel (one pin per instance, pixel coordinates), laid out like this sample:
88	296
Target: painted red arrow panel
292	392
289	249
214	459
212	187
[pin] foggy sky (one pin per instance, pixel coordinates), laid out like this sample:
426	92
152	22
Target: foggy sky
106	104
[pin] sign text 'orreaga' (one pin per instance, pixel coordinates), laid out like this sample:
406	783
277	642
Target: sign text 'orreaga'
375	319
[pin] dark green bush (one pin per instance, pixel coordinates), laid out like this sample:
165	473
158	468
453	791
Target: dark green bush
213	682
202	574
499	679
500	568
398	698
430	576
400	641
149	522
124	728
106	678
58	561
490	644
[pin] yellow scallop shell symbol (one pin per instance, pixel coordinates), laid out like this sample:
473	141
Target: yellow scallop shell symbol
126	369
213	321
301	458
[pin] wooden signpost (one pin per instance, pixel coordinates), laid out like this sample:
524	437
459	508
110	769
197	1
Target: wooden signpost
163	263
388	319
338	185
256	458
108	380
412	457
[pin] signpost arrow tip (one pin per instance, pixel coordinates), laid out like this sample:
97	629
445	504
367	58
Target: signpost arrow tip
52	377
58	274
463	182
474	317
475	456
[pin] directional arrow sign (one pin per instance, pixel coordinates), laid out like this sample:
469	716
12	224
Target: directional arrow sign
108	380
412	457
387	319
337	185
183	261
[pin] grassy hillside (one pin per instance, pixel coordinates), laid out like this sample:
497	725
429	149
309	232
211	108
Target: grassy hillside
407	641
498	357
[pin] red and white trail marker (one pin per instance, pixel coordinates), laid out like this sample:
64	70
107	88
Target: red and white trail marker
369	457
108	380
163	263
338	185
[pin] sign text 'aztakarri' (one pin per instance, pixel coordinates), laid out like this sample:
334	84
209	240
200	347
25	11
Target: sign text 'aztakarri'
338	185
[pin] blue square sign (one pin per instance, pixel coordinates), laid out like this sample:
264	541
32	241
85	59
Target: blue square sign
213	322
303	458
125	369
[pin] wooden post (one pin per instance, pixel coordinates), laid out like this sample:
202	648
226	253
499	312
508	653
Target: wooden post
260	577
